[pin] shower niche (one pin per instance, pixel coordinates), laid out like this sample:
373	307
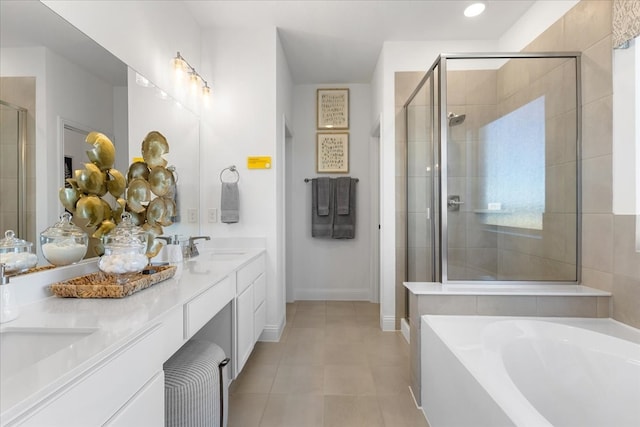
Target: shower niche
491	170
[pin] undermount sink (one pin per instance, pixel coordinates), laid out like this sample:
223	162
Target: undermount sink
21	347
226	255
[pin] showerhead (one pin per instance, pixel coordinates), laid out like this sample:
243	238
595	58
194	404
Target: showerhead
455	119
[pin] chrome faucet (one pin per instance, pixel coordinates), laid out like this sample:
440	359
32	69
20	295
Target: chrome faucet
192	249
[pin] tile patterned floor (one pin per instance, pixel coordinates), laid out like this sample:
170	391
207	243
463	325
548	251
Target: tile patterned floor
332	367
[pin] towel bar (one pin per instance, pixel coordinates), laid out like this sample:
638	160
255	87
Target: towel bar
233	169
309	179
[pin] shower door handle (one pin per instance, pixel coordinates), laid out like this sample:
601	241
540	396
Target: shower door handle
453	203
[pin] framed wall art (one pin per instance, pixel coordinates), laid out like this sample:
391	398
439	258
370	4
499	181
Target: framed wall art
332	109
332	152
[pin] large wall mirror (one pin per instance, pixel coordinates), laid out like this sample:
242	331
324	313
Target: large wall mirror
150	108
66	85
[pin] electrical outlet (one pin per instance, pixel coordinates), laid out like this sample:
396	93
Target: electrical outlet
192	215
213	215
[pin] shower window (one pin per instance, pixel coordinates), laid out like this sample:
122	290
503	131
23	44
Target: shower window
512	154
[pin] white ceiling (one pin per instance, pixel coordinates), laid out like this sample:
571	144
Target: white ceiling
339	41
325	41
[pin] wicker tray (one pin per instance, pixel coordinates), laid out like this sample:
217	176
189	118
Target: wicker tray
36	270
100	285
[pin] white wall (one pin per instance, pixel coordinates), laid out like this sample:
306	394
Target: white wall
328	268
244	121
284	114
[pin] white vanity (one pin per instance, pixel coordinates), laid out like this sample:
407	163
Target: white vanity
82	362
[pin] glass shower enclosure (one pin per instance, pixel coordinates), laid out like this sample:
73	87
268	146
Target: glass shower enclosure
12	169
492	171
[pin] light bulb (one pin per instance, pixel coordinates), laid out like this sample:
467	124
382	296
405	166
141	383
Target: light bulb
206	94
179	66
194	81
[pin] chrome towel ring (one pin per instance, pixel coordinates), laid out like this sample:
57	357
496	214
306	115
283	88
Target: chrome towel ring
232	169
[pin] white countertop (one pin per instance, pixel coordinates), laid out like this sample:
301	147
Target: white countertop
483	288
117	321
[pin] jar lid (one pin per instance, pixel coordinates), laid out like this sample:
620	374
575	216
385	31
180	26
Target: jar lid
10	241
64	228
126	233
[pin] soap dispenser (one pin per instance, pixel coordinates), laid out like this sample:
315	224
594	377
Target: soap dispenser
173	249
8	308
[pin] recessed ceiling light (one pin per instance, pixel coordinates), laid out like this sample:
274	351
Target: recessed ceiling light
474	10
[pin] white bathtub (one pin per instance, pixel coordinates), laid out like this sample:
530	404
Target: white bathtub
516	371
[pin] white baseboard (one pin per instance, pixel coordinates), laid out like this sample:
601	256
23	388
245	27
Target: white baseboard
405	329
415	402
322	294
389	323
272	333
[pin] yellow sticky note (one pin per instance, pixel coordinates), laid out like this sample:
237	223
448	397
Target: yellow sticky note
259	162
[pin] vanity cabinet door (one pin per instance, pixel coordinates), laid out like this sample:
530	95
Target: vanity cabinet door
260	305
244	327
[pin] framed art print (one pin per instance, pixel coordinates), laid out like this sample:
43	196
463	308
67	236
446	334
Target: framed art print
332	152
332	109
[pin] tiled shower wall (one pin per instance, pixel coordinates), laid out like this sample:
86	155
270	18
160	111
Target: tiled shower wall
609	259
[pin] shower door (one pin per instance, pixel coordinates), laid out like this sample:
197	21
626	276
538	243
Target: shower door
422	180
511	142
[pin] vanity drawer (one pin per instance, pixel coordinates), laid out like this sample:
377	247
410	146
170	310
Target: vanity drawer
247	274
202	308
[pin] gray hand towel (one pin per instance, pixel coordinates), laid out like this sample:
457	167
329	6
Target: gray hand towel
230	203
321	225
344	226
323	195
343	187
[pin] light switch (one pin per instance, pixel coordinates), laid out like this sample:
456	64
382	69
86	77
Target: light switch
192	215
213	215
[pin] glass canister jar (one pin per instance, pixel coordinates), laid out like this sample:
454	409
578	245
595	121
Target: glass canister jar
125	250
16	254
64	242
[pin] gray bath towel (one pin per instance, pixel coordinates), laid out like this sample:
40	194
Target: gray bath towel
324	196
230	203
343	188
344	226
321	225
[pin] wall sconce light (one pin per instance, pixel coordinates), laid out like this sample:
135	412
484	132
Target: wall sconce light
182	68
